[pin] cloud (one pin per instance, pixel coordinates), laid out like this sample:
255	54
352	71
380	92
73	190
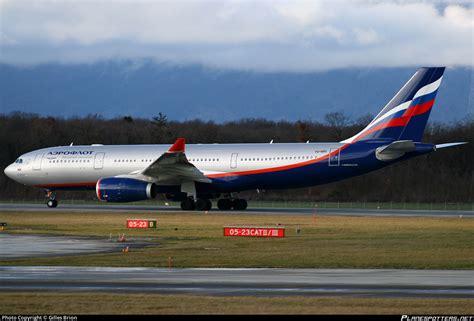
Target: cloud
254	35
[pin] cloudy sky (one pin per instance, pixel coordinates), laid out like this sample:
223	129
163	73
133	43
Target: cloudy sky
250	35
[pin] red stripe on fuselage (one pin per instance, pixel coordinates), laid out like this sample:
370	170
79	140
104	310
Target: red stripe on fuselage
279	168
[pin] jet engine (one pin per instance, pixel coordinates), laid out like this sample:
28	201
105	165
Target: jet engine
118	189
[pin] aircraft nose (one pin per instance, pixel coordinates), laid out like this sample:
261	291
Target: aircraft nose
9	171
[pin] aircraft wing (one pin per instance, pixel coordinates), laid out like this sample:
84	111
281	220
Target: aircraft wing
173	167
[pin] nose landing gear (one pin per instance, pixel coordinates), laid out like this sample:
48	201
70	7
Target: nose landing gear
52	202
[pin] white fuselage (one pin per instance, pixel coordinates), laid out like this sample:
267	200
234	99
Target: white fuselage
75	165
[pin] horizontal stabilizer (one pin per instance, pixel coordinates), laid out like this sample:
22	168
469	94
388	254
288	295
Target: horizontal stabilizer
439	146
394	150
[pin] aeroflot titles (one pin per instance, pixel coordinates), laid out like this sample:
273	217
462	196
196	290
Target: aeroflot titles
73	152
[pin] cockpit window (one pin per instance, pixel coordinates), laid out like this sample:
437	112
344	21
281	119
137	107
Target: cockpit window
19	161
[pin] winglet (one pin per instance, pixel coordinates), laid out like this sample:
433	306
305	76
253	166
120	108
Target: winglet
178	146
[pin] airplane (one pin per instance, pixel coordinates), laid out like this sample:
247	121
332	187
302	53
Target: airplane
196	173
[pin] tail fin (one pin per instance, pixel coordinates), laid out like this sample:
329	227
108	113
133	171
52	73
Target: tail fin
405	116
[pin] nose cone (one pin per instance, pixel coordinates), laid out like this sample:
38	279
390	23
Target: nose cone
9	171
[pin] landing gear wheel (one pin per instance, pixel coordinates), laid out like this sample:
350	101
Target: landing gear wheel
239	204
52	203
224	204
187	205
203	204
209	205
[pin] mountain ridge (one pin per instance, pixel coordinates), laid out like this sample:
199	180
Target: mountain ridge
144	88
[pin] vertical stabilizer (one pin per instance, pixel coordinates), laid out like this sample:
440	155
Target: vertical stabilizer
406	114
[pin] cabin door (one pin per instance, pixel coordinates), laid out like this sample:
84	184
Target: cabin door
233	160
334	156
37	162
99	160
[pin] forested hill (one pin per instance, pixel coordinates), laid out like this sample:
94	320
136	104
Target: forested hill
444	176
143	88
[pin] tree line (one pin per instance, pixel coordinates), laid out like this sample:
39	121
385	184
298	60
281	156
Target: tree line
444	176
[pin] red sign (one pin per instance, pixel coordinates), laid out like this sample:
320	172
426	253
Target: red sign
254	231
141	223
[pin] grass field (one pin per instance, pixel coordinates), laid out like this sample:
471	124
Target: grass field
102	303
196	240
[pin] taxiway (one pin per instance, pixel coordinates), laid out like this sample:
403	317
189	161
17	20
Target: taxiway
231	282
256	210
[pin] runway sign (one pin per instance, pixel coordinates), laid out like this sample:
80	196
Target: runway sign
141	223
254	231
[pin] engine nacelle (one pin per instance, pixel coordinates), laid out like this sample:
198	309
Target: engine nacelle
117	189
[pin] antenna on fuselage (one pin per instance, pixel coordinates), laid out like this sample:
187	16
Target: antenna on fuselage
72	143
271	142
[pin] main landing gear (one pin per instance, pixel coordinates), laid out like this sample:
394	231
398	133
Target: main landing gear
224	204
201	204
238	204
52	202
